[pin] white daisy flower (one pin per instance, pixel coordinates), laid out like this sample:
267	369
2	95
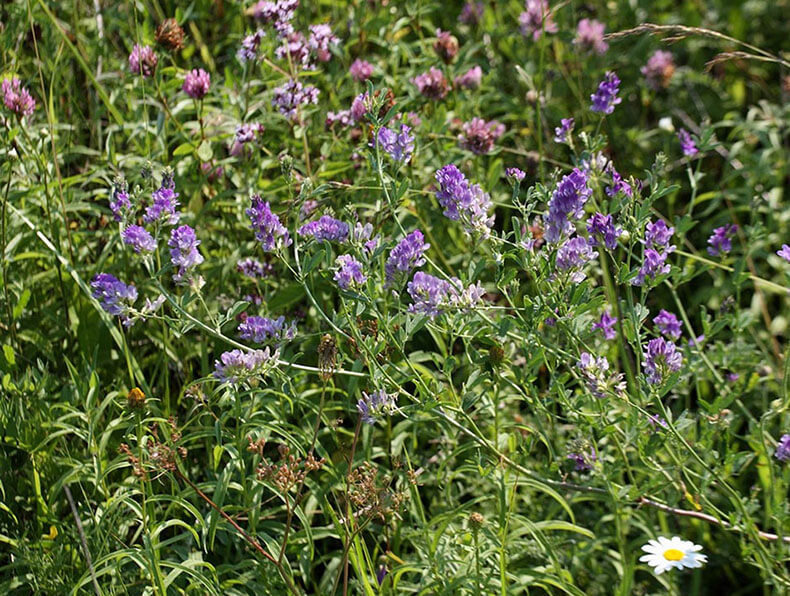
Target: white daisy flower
665	554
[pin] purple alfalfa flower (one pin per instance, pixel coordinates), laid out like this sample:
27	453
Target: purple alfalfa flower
376	404
659	69
584	458
784	252
595	372
279	13
655	421
605	97
662	358
398	145
115	297
237	366
432	84
361	234
432	296
164	207
687	144
515	175
245	134
295	49
566	203
143	60
288	97
16	98
326	228
606	324
668	324
619	185
654	263
253	268
349	273
359	106
248	51
381	574
196	83
562	132
589	36
184	254
657	249
262	329
602	230
269	231
407	255
360	70
573	255
139	239
321	41
658	235
472	13
120	205
536	19
720	242
479	136
732	377
470	79
783	449
343	118
462	201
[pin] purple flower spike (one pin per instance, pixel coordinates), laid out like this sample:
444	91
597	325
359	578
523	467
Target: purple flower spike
606	324
462	201
687	144
783	449
562	132
406	256
267	227
605	98
720	242
668	324
326	228
116	297
398	145
661	359
288	97
139	239
184	254
601	228
263	329
349	273
566	203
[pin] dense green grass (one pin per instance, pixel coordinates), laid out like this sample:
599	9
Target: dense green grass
126	467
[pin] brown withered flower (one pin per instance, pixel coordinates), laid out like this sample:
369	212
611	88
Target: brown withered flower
327	357
445	46
170	34
135	398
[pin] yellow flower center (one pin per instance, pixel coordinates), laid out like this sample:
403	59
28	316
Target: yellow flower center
673	554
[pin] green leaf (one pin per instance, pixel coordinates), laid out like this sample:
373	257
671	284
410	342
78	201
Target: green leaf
204	151
183	149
